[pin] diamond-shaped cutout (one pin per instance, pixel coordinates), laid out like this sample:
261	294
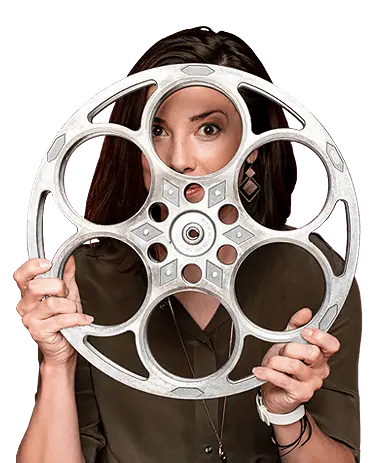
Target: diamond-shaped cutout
217	194
197	70
187	392
168	272
329	316
335	157
214	274
171	192
146	232
55	149
238	234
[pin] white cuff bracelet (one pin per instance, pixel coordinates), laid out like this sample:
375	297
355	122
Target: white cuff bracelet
274	418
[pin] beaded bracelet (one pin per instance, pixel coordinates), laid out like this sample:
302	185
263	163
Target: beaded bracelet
305	424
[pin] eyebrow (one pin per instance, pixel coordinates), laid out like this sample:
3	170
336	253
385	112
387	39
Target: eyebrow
196	117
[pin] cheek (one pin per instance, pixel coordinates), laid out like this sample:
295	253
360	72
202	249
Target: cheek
224	150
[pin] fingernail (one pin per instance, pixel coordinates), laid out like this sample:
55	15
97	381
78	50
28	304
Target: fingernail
257	370
307	332
89	318
44	264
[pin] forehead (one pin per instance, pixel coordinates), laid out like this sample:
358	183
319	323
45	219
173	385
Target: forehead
194	97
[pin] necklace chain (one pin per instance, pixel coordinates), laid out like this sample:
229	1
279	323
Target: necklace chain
221	453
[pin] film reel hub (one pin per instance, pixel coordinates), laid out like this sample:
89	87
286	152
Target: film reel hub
192	234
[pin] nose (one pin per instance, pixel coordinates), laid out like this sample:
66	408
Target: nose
180	155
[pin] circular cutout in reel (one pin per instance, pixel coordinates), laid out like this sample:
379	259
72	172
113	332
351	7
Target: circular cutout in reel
193	233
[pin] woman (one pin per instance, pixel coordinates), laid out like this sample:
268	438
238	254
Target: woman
81	414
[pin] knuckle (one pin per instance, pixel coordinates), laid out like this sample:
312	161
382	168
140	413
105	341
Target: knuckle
26	320
314	352
273	362
336	346
285	350
326	371
285	382
307	394
57	286
282	351
32	287
19	307
318	382
16	275
59	320
62	287
294	366
53	303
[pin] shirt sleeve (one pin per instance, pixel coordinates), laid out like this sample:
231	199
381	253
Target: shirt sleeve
92	438
335	407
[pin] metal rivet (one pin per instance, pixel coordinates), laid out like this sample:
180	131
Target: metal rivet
170	192
146	231
208	449
217	193
168	272
239	234
214	274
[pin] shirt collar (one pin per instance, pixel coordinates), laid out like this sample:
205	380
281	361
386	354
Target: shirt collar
188	324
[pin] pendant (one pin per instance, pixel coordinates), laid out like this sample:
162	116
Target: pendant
222	455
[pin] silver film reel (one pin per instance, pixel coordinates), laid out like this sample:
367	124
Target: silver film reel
189	220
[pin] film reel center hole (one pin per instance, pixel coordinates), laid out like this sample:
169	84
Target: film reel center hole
193	233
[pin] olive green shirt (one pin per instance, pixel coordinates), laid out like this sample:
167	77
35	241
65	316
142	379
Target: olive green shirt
119	424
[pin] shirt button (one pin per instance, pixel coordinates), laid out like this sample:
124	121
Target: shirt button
208	449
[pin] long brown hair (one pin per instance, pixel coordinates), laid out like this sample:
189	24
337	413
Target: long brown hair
117	190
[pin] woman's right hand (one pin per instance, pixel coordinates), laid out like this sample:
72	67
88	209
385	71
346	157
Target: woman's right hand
45	318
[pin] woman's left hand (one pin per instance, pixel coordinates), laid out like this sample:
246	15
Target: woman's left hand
294	371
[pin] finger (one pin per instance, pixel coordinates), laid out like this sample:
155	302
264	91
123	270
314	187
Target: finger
299	319
40	329
47	309
293	367
59	322
289	384
69	279
308	353
30	270
38	288
327	343
54	306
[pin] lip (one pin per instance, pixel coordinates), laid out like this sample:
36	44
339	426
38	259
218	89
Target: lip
192	191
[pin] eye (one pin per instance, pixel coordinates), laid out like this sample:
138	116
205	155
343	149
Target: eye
156	130
210	129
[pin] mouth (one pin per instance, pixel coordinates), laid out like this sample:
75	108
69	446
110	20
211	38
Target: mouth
193	191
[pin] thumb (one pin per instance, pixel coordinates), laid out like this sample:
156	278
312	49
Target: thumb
69	269
69	279
300	318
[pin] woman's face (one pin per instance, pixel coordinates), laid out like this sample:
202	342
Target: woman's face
196	131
